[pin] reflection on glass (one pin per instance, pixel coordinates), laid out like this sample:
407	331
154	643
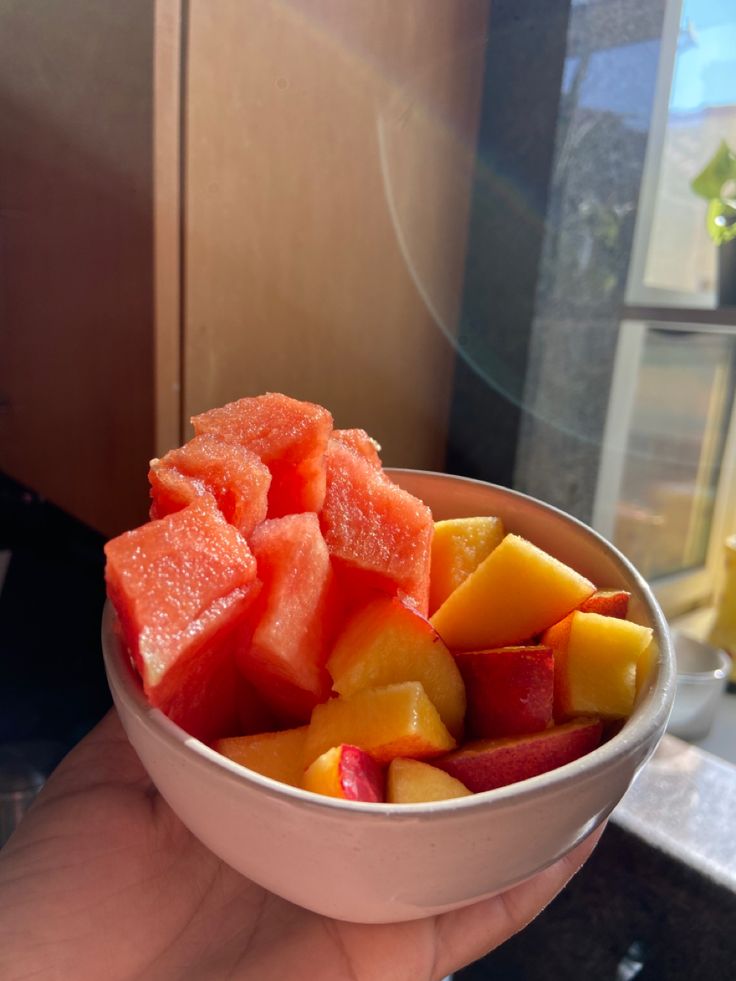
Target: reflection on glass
682	408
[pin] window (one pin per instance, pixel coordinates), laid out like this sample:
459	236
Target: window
673	258
666	476
666	490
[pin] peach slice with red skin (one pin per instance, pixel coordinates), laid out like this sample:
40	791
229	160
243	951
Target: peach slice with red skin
459	545
596	662
607	602
490	763
347	773
414	782
279	755
387	642
509	690
397	720
515	593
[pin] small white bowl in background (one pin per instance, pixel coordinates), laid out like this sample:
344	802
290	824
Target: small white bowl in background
377	863
702	675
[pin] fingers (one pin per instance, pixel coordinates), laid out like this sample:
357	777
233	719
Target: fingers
467	934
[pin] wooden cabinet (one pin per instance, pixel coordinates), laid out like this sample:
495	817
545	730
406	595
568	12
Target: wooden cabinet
76	253
219	199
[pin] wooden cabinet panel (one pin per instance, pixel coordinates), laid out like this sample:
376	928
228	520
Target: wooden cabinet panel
204	200
76	309
329	152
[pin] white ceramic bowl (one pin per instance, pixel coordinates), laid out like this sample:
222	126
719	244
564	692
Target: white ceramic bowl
702	675
379	862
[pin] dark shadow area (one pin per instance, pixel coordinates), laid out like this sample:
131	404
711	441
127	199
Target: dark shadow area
53	687
516	141
631	912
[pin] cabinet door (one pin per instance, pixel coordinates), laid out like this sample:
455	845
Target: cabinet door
76	254
329	151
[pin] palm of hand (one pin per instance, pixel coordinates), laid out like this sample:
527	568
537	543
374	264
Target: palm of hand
102	880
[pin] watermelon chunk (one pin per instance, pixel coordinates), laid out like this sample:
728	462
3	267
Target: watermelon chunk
285	656
359	441
235	477
180	586
379	536
289	436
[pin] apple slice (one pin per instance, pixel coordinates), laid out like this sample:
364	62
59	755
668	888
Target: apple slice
596	661
459	545
515	593
414	782
387	642
490	763
607	602
509	690
279	755
398	720
345	772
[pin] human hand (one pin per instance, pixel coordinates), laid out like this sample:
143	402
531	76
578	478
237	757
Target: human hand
101	880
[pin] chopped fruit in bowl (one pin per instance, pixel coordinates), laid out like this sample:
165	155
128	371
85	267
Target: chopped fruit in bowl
386	642
510	690
414	782
360	687
345	772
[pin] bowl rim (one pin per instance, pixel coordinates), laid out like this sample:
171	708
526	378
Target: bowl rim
649	717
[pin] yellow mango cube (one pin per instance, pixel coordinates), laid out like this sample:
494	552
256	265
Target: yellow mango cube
459	545
516	592
596	663
645	665
396	720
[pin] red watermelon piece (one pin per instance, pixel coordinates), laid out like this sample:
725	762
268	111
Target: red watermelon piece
378	535
285	656
289	436
359	441
234	476
180	587
254	715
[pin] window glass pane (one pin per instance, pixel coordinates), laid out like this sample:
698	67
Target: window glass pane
682	406
681	257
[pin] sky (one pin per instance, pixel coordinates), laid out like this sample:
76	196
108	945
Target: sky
705	70
622	79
